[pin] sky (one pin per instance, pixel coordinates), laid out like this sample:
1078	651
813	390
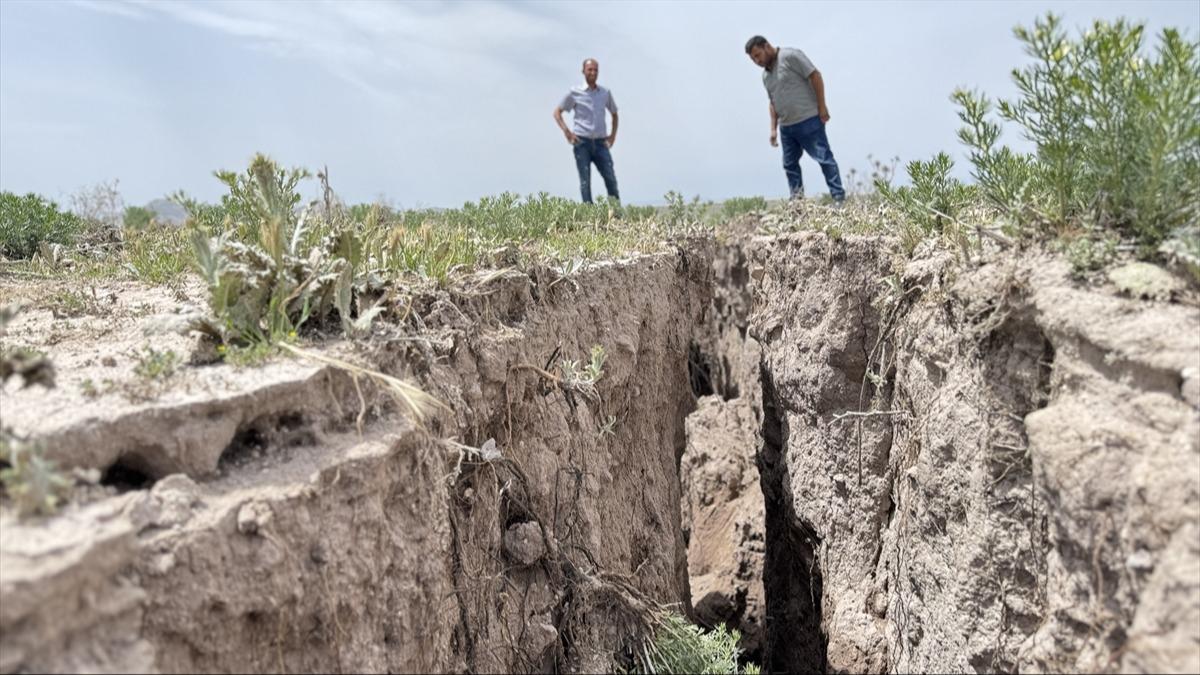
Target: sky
434	104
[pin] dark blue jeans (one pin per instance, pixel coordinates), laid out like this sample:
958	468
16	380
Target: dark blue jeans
590	151
809	136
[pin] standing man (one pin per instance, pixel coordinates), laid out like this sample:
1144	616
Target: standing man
797	95
591	143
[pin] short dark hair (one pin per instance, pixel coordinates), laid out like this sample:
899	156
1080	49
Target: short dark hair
756	41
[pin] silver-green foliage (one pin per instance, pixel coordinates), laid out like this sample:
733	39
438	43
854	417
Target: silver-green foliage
682	647
1116	132
264	282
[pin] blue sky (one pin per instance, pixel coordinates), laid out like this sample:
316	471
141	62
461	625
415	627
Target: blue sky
436	104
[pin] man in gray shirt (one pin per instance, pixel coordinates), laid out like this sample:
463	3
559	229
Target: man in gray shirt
797	95
591	143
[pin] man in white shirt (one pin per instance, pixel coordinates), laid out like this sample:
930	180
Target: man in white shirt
588	136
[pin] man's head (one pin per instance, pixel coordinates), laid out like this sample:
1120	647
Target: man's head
591	70
761	52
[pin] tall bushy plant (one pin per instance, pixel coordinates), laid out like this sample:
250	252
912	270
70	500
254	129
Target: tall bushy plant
1116	132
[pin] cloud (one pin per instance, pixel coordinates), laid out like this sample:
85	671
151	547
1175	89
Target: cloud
380	48
122	9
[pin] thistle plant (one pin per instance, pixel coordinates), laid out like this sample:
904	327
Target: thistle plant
263	286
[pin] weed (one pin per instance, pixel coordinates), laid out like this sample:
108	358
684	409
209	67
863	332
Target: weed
156	365
583	381
682	216
99	205
681	647
68	303
101	209
251	355
857	184
262	204
137	218
89	389
158	255
207	218
33	482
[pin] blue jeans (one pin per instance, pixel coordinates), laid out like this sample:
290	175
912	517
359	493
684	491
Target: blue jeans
587	152
809	136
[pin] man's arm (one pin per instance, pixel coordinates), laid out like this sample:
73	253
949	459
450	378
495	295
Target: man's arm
612	138
818	85
558	111
774	126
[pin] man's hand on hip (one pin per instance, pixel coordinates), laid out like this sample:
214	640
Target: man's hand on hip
611	140
571	138
823	113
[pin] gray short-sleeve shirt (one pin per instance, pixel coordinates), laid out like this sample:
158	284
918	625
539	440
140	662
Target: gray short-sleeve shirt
788	87
589	106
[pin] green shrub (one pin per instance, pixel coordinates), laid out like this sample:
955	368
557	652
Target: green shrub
137	218
26	222
1116	132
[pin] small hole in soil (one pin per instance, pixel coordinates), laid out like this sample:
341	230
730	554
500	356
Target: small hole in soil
246	444
126	476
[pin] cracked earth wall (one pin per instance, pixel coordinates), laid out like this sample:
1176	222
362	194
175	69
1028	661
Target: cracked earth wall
1024	493
325	550
982	469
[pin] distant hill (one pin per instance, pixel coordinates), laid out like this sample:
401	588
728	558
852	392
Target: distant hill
167	211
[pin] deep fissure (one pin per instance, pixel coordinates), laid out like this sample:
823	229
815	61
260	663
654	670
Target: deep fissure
795	639
852	575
